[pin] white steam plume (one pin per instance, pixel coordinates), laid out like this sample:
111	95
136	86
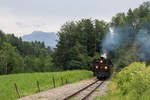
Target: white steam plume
110	41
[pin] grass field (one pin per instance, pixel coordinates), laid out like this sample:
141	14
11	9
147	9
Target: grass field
27	82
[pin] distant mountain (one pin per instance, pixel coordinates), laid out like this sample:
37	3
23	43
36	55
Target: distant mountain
49	38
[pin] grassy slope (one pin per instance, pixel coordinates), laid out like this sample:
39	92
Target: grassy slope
27	82
132	83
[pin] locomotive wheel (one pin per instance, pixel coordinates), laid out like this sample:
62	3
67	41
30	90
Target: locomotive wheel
100	78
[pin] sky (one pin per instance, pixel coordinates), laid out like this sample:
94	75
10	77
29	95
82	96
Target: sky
22	17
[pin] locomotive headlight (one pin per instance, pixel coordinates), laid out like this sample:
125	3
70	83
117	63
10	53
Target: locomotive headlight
96	67
101	61
105	67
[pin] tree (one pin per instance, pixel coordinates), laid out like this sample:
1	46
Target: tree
2	38
10	60
78	43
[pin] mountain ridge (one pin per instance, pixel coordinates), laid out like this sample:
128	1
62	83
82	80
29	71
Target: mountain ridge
49	38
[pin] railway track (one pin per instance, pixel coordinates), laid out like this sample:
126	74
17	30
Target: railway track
85	92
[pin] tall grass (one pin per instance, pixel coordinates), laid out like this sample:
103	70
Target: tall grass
27	82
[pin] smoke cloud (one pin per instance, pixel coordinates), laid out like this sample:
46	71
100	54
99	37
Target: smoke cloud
117	37
143	38
111	41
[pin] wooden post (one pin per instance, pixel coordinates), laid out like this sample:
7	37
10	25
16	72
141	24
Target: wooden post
62	81
66	81
17	90
54	82
38	86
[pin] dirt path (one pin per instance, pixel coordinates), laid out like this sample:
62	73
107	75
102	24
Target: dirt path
63	91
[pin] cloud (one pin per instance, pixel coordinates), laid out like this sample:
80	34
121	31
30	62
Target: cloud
39	25
21	25
34	25
48	15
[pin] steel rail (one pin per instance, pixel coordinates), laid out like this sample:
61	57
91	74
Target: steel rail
70	96
92	91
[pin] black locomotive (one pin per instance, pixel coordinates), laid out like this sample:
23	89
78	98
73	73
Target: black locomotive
102	68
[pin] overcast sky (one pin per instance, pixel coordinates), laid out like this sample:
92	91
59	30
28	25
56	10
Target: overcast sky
24	16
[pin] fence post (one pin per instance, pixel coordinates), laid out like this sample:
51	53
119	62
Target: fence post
53	82
66	81
38	86
17	90
62	81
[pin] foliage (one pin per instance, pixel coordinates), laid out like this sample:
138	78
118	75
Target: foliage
10	60
27	82
132	83
17	56
78	43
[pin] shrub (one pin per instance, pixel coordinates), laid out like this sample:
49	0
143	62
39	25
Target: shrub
132	83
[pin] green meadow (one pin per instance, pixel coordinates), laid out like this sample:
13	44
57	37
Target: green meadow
27	82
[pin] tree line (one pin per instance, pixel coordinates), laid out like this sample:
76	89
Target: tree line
79	43
17	56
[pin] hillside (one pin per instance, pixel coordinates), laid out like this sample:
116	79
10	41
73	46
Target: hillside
49	38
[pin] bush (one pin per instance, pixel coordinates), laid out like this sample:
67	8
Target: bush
132	83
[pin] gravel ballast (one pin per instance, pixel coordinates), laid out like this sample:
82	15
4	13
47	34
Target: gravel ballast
61	92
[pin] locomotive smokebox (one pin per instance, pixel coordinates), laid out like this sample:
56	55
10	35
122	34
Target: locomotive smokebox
102	68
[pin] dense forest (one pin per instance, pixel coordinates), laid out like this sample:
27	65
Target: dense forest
79	43
17	56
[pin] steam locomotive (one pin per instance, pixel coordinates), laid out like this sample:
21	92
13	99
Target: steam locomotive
102	68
